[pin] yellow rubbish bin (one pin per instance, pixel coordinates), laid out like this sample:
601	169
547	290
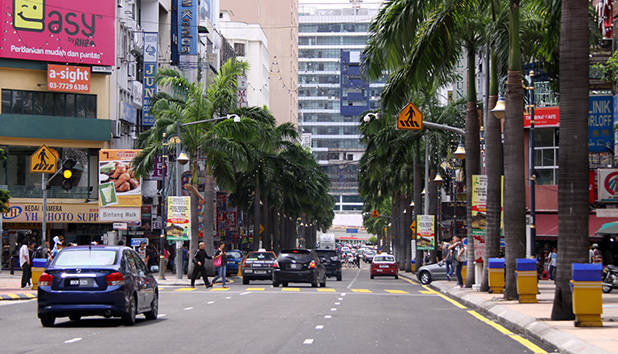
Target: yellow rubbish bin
38	267
413	265
527	286
587	295
496	275
464	272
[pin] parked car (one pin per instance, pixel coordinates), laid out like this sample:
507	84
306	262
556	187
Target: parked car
110	281
384	264
234	259
428	273
258	265
368	256
299	266
331	262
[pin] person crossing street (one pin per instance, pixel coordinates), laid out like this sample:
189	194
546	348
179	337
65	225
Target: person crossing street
199	265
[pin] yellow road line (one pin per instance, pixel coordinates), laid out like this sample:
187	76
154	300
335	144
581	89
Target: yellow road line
290	289
13	296
526	343
445	297
220	289
425	292
30	295
365	291
326	290
396	291
185	289
255	289
409	281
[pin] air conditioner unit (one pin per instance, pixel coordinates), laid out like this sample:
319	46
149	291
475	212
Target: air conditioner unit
116	129
137	43
132	71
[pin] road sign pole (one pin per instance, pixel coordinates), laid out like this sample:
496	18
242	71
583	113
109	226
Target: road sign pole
44	222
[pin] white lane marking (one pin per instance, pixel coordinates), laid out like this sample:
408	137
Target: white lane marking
227	298
245	293
188	308
210	302
333	309
340	299
353	280
337	303
162	315
319	327
328	316
73	340
308	341
343	294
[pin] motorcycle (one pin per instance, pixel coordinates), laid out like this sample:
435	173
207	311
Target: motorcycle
610	280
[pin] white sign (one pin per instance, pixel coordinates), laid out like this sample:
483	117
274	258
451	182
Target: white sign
607	213
151	43
120	214
608	184
123	226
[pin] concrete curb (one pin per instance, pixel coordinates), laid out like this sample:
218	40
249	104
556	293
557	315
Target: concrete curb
17	296
532	327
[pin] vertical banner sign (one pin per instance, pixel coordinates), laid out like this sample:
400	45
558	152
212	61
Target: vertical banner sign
479	214
178	218
187	23
151	54
616	126
600	124
425	232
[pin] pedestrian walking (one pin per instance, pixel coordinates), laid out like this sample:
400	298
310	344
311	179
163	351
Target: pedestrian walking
553	261
448	259
26	263
142	251
185	259
56	250
199	265
220	263
458	252
596	255
152	259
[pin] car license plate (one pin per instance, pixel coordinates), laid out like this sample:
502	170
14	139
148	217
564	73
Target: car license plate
294	266
260	272
383	266
80	282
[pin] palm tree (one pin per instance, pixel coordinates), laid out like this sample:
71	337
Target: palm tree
573	174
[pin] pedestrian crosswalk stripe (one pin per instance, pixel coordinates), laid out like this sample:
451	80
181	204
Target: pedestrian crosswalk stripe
32	296
185	289
361	291
290	289
220	289
395	291
13	296
326	290
255	289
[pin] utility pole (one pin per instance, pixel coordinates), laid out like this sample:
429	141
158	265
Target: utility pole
44	222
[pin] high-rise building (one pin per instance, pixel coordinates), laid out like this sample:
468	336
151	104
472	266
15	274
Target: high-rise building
332	93
279	20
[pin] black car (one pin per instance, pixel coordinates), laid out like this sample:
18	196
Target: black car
299	266
331	262
97	281
258	265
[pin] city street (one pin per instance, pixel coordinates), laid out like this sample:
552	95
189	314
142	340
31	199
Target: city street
356	315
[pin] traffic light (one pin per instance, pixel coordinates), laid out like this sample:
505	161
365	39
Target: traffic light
68	173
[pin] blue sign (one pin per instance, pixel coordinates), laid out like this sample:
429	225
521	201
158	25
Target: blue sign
615	126
351	231
135	242
151	43
185	17
129	113
600	124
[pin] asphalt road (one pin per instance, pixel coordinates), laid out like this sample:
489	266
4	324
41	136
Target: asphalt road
356	315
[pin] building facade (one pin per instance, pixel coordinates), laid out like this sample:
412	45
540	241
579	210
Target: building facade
332	93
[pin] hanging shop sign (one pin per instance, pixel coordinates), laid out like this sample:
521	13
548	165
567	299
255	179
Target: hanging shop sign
479	214
151	50
544	117
109	215
600	124
178	225
68	78
607	183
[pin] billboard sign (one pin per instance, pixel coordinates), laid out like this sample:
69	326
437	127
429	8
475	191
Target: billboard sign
68	78
115	166
151	43
66	31
56	213
425	232
600	124
178	224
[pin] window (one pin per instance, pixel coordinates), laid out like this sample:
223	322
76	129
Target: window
239	48
85	257
49	103
546	144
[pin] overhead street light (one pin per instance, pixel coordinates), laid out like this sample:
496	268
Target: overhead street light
438	179
500	108
183	158
460	153
367	118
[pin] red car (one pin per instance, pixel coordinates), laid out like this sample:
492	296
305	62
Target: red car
384	264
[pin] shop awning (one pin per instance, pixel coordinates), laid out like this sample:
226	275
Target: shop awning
547	224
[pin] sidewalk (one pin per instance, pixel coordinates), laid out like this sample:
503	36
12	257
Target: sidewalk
10	287
533	319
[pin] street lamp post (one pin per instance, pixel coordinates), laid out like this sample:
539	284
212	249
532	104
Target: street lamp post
438	181
531	162
163	214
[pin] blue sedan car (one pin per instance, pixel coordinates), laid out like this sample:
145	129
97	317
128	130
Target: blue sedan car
110	281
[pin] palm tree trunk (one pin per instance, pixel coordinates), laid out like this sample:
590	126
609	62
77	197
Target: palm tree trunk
209	217
395	217
472	154
418	201
573	174
267	226
408	234
514	192
256	215
494	172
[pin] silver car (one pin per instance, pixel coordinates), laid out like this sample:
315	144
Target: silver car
428	273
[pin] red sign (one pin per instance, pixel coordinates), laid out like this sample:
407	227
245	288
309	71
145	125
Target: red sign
68	78
544	117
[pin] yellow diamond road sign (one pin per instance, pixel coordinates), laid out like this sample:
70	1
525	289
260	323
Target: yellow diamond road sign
413	225
410	118
261	229
43	160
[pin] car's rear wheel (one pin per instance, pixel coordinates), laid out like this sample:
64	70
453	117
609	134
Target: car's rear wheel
75	317
245	281
48	320
338	276
285	284
371	276
425	277
323	284
129	317
396	276
154	308
275	284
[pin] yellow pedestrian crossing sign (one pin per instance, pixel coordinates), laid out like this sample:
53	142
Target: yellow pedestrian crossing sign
410	118
43	160
413	226
261	229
